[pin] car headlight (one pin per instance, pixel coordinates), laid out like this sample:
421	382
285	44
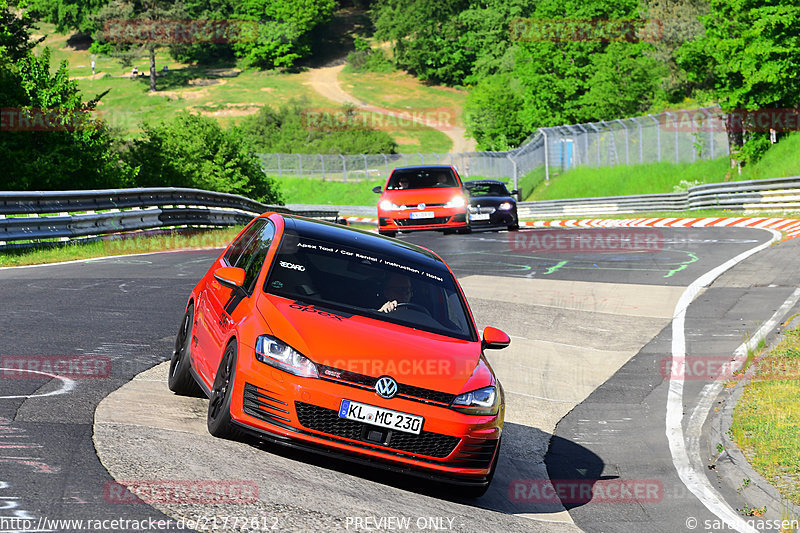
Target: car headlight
485	401
386	205
505	206
456	201
280	355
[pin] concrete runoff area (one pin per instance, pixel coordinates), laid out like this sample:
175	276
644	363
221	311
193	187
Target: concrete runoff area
542	377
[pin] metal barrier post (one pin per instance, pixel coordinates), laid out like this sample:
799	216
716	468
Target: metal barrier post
627	158
658	135
546	158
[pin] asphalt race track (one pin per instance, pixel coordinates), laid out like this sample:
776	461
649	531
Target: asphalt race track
587	392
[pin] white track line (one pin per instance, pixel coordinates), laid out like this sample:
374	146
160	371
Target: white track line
66	385
695	479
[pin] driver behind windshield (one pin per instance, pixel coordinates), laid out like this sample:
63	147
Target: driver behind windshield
397	290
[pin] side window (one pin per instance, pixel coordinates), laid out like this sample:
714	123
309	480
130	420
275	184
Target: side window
250	251
235	251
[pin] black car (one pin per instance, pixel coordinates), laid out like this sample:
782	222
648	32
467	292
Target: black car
490	204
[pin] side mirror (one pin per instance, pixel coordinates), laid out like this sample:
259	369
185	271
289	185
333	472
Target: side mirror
377	190
494	339
515	191
230	277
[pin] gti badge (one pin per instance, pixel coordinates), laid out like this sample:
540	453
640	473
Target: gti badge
386	387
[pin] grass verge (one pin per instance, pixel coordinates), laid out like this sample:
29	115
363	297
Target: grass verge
316	191
782	159
129	244
766	420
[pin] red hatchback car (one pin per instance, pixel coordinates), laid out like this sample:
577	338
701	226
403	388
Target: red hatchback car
422	198
340	341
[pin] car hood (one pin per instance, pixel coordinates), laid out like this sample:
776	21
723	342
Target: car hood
412	197
372	347
490	200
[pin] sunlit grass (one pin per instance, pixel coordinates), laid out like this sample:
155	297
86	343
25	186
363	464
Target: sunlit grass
766	420
129	244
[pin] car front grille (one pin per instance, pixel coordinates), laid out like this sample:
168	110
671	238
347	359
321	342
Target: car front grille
328	421
420	221
407	392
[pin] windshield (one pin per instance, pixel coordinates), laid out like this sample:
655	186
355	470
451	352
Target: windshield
488	189
422	178
362	282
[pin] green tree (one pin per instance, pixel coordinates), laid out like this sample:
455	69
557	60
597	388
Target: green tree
67	15
556	69
749	57
193	151
15	34
283	33
51	142
491	113
624	83
485	30
425	37
133	27
672	23
294	128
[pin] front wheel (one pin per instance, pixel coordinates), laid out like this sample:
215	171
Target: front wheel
180	379
219	405
387	233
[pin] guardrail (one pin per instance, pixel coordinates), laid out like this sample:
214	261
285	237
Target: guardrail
29	218
779	194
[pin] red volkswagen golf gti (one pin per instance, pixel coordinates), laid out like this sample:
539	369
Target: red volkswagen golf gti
344	342
422	198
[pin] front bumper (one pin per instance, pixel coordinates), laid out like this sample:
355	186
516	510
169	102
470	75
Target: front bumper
303	413
406	219
497	217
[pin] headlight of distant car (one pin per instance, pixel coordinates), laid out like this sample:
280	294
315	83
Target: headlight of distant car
280	355
483	401
386	205
505	206
456	201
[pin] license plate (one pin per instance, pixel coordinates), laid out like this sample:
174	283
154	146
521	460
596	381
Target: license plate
479	216
422	214
378	416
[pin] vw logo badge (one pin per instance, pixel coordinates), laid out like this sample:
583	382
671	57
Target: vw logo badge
386	387
421	206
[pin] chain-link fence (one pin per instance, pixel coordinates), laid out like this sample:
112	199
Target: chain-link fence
677	137
339	167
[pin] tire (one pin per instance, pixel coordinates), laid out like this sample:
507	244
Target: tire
387	233
513	227
464	231
219	404
180	379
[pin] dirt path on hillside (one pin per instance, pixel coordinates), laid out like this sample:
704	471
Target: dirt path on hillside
325	80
